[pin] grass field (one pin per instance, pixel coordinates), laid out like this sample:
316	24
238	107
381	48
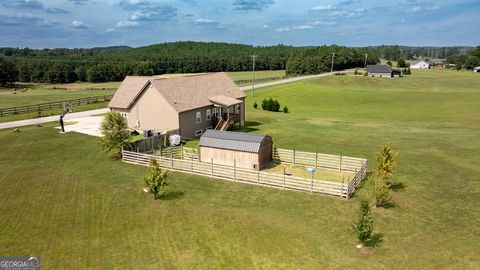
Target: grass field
63	200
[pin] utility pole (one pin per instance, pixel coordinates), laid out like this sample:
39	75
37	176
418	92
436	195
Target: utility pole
333	57
253	73
366	56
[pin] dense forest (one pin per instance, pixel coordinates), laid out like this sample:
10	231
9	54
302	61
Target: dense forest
114	63
319	59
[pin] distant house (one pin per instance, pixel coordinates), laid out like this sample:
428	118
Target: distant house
250	151
420	64
187	105
476	69
384	71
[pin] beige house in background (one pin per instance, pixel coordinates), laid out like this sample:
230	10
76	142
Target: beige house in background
186	105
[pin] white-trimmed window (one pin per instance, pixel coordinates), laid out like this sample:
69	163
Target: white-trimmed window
198	117
209	114
124	114
237	109
198	132
210	127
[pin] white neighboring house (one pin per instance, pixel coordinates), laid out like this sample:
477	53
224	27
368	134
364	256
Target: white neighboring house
476	69
420	64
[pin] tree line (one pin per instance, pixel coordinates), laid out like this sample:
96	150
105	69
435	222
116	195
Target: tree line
319	59
114	63
468	61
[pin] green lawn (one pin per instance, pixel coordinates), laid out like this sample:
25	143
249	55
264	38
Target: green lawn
60	198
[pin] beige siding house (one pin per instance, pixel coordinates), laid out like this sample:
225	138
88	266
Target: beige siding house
186	105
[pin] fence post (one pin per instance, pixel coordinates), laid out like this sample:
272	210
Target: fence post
181	145
283	177
138	155
340	163
1	112
316	159
191	164
311	187
212	166
258	177
171	155
294	156
234	170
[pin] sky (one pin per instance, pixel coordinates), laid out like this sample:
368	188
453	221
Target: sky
98	23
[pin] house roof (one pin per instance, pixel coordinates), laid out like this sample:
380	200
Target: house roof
413	63
224	100
128	91
182	93
232	140
379	69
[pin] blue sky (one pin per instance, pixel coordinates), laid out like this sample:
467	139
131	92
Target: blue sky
91	23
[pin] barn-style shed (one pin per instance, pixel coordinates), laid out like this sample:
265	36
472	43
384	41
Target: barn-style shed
250	151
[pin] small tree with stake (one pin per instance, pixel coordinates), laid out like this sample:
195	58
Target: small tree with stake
363	227
156	180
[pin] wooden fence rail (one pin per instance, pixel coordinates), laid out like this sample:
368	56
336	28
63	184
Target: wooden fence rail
241	175
53	105
318	160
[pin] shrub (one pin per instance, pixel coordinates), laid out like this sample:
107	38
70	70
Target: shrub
389	63
156	180
255	105
401	63
270	105
363	227
285	109
115	133
356	71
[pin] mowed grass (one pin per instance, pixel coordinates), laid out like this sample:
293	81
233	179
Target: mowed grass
60	198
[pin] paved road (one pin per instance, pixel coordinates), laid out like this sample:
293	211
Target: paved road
249	87
53	118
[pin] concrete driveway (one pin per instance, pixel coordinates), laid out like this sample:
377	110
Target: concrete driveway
89	125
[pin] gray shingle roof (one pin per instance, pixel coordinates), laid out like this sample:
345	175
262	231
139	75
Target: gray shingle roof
379	69
232	140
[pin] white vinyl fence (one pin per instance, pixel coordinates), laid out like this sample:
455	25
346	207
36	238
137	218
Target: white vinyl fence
287	182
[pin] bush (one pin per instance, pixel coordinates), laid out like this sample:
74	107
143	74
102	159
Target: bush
270	105
255	105
401	63
389	63
356	71
285	109
363	227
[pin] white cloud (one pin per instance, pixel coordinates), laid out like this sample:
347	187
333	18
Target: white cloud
303	27
78	24
265	26
283	29
322	23
323	8
124	24
204	21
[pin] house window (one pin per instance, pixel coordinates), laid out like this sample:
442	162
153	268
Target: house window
198	117
210	127
209	114
237	109
198	132
124	114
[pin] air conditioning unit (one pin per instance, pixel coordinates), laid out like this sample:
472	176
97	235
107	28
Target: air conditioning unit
175	139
